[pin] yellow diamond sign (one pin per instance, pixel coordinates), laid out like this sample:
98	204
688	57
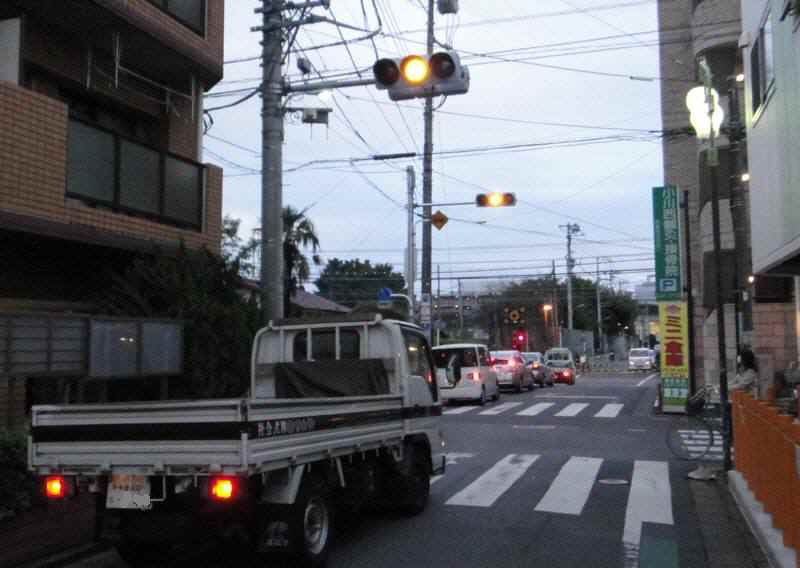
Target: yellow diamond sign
439	220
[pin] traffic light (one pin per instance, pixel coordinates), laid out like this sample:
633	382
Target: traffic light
495	199
417	76
519	340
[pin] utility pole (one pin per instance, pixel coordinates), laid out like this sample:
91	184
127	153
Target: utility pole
712	159
556	300
599	309
438	301
427	176
272	269
460	310
411	253
572	229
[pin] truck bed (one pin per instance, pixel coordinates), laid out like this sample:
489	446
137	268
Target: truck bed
211	436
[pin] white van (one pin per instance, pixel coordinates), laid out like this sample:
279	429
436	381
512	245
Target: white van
463	372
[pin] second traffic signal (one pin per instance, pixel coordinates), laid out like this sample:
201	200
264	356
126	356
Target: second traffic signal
495	199
416	76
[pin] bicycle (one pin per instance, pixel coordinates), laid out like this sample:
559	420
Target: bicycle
691	436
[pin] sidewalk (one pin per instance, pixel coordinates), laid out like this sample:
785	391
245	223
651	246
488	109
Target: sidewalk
727	538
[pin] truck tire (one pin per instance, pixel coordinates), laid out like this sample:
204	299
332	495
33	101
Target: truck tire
304	530
416	484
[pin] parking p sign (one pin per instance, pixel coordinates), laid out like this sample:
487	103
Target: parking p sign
667	236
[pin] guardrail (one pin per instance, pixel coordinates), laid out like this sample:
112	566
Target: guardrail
767	447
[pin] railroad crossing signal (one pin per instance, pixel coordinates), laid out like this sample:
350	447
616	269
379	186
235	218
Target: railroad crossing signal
417	76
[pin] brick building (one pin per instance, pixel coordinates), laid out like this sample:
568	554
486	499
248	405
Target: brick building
755	314
101	115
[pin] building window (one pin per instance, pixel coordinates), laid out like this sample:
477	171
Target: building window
762	66
106	169
191	13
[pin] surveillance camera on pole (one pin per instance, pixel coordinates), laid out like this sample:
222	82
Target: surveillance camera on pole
417	76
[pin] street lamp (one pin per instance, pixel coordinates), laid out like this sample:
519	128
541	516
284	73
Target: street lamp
706	117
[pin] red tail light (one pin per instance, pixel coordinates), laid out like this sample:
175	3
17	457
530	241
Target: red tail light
536	365
223	488
55	487
566	373
475	376
512	363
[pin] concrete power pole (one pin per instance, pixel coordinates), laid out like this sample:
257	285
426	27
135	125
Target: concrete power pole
572	229
272	269
599	309
411	252
427	176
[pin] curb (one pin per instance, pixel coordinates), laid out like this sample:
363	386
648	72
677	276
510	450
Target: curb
760	522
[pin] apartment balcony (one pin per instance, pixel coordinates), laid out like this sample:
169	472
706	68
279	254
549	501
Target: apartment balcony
169	41
715	24
64	178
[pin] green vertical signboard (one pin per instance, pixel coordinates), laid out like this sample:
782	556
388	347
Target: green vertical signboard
667	236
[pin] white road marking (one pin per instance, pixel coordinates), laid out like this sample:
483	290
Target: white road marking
637	430
573	409
453	457
460	409
533	427
436	478
609	411
649	501
537	408
579	397
485	490
644	381
500	408
570	489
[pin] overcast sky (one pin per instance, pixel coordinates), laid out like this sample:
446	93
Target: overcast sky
595	175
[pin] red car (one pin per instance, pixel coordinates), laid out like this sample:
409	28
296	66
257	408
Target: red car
562	371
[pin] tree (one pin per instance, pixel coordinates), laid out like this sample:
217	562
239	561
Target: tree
349	282
298	234
201	289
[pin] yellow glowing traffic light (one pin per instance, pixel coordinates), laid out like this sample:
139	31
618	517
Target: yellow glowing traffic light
417	76
415	69
495	199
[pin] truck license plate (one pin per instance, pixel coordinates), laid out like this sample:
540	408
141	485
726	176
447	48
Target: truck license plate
128	492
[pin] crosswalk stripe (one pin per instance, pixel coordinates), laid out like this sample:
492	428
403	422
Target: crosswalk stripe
460	409
570	489
649	500
609	411
573	409
537	408
500	408
485	490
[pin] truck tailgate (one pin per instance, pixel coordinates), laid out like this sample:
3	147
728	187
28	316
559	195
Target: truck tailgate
148	437
213	435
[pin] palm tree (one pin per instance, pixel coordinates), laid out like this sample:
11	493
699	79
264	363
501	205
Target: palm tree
298	234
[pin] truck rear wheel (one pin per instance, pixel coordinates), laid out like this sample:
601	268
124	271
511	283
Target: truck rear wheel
302	530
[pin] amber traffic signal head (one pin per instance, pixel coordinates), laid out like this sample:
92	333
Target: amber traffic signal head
415	69
495	199
418	76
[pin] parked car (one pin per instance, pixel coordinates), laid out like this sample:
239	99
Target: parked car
534	361
511	371
464	373
641	359
562	371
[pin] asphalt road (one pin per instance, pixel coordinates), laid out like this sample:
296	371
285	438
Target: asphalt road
569	476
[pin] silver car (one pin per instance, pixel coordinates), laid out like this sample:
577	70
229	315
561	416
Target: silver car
641	359
511	370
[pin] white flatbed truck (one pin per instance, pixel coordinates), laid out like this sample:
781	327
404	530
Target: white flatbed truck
341	412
